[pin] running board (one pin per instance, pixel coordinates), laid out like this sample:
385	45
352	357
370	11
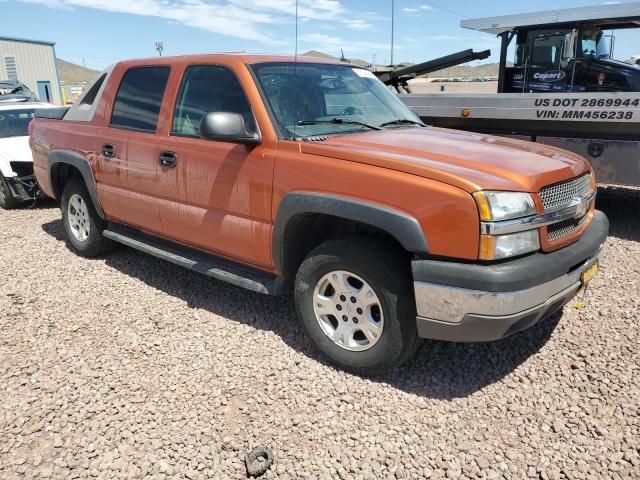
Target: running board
210	265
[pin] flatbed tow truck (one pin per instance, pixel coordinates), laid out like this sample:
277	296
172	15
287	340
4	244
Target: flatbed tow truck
565	88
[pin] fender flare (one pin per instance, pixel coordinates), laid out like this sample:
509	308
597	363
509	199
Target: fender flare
403	227
57	157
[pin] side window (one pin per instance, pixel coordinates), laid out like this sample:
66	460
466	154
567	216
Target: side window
139	98
547	50
204	89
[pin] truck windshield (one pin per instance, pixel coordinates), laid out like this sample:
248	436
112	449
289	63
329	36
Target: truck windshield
308	99
15	123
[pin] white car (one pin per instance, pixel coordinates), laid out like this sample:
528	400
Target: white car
17	182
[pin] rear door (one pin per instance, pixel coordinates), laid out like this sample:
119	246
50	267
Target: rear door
129	150
215	195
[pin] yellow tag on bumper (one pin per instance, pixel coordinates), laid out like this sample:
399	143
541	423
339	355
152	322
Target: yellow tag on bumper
589	273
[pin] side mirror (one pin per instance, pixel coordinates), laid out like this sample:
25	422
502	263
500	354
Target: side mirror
569	48
227	127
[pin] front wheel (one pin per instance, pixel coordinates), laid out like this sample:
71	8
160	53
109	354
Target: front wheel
355	300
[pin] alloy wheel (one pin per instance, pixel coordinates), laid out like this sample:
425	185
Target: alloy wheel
348	310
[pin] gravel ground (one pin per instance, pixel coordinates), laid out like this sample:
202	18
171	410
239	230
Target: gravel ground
130	367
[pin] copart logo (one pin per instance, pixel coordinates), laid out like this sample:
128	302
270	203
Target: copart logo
552	76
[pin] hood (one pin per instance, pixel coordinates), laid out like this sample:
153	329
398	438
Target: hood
470	161
618	64
15	149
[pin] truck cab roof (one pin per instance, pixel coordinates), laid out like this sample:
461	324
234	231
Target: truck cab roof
618	16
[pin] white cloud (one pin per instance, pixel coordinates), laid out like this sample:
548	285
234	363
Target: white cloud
451	38
419	8
333	44
243	19
358	24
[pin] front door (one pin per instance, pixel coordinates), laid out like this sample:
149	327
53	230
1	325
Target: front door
545	71
215	196
44	91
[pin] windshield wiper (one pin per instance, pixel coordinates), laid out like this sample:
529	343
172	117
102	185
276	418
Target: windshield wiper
339	121
402	121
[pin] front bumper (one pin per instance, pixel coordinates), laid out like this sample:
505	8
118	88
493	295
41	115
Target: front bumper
470	302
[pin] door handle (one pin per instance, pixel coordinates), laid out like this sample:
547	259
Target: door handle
108	150
168	159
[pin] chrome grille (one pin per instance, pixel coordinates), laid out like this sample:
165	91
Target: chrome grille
558	195
562	229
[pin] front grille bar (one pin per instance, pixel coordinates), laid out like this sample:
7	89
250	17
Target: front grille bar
578	207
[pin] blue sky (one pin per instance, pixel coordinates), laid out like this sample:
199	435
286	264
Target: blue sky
100	32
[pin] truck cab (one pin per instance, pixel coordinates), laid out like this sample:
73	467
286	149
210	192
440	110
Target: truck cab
576	58
568	50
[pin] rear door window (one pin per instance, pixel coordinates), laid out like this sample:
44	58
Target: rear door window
204	89
139	98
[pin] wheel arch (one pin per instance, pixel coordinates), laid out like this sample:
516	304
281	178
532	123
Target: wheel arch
300	212
62	164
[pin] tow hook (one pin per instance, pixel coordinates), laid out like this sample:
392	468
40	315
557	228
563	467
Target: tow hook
258	461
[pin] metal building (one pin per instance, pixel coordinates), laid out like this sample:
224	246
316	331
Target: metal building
33	63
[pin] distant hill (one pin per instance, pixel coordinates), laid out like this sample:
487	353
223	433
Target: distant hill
72	74
484	70
317	54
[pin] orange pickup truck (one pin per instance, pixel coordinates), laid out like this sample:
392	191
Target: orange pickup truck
309	176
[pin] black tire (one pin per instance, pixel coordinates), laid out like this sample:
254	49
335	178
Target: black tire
7	200
389	276
95	244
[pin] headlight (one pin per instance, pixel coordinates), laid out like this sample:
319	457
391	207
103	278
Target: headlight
504	246
496	206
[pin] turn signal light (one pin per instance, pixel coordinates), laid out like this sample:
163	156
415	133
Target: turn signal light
487	247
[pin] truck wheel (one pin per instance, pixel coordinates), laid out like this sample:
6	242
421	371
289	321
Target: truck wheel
7	200
81	221
355	300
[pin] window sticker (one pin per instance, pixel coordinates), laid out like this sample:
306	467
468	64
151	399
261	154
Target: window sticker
361	72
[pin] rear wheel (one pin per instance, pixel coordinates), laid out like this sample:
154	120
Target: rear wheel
7	200
82	223
355	300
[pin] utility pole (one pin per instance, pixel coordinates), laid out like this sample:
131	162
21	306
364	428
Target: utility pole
160	47
393	21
